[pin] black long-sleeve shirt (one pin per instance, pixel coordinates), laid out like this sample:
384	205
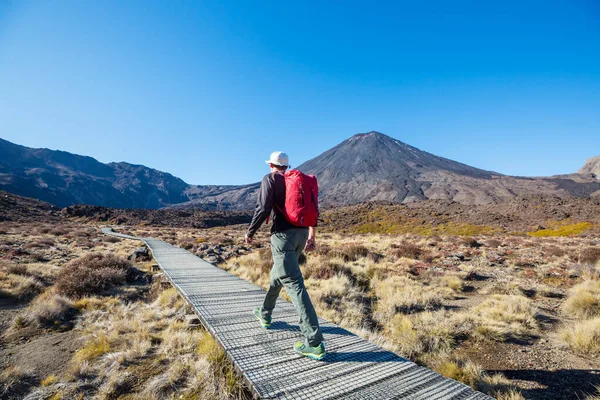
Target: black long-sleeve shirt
272	191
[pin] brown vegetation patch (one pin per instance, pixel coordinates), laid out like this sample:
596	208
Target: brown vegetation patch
92	274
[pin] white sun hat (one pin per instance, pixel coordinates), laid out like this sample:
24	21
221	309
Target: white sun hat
279	158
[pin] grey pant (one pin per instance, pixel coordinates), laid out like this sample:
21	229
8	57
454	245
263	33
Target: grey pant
286	247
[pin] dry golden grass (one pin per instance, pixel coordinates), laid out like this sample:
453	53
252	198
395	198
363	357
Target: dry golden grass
583	300
49	310
473	375
582	337
423	305
337	299
403	294
564	230
594	396
453	282
49	380
19	281
119	337
426	334
466	372
502	317
12	377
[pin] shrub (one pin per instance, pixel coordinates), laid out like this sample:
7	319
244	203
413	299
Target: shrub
59	231
326	270
186	244
111	239
322	249
92	274
41	243
471	242
350	252
590	255
17	269
584	300
583	337
408	250
553	251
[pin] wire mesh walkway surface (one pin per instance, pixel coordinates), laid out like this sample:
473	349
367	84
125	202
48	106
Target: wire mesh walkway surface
353	368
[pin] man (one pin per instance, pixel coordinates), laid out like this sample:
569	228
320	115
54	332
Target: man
287	243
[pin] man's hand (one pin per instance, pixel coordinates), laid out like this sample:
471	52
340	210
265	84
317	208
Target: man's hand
248	239
311	243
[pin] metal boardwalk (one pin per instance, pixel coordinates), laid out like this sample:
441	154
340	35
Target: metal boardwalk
352	369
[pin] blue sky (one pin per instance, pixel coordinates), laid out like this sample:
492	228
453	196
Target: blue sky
206	90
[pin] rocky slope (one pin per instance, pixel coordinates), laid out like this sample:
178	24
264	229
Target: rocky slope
591	166
366	167
22	209
374	167
63	179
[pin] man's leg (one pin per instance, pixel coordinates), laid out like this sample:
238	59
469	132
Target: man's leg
272	294
286	246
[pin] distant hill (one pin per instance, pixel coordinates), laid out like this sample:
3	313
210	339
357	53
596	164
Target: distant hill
64	179
366	167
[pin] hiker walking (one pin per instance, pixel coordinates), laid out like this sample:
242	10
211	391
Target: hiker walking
290	197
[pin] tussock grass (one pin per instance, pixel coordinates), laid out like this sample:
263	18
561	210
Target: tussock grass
49	380
503	317
95	347
425	333
18	281
466	372
583	300
403	294
49	310
453	282
349	252
11	378
594	396
589	255
144	350
469	373
337	299
582	337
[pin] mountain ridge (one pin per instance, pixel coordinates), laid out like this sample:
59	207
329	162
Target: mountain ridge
367	166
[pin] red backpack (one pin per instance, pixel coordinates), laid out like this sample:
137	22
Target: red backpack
301	199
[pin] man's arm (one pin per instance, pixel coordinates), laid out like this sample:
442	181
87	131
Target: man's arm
264	206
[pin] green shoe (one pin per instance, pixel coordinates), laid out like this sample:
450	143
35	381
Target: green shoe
265	322
316	353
